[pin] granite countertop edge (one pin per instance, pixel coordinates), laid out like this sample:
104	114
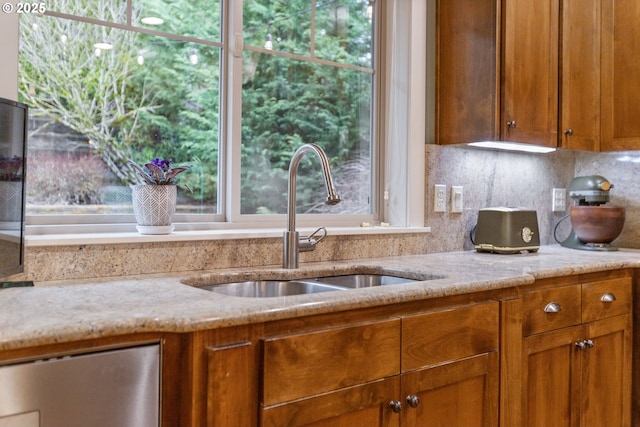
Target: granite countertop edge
59	312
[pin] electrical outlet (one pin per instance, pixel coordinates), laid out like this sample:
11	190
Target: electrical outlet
456	199
559	203
440	198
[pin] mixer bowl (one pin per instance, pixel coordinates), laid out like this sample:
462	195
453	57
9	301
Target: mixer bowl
597	224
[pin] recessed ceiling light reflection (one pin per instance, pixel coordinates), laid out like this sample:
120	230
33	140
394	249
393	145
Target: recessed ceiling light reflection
103	46
152	20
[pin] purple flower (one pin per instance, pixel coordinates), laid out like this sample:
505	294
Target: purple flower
159	171
162	163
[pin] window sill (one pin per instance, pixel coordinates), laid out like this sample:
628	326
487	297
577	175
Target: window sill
180	236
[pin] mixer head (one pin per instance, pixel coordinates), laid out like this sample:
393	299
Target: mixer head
590	190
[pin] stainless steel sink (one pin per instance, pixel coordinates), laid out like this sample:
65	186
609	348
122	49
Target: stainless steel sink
271	288
265	285
353	281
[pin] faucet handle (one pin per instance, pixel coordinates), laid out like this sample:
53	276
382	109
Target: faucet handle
308	243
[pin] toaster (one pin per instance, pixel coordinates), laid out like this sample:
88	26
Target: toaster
506	230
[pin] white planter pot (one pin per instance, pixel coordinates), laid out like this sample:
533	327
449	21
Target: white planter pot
154	207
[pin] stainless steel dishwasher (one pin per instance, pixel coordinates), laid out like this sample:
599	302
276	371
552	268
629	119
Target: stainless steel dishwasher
112	388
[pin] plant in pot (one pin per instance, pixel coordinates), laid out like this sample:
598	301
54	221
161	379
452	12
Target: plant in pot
10	191
154	201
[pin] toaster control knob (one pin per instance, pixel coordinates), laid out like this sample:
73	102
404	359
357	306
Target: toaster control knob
527	234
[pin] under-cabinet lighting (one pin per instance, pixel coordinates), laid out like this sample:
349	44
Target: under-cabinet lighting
512	146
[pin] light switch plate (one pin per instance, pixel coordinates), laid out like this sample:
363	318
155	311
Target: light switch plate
456	199
440	198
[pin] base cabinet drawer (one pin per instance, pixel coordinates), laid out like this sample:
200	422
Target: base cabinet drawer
306	364
607	298
550	309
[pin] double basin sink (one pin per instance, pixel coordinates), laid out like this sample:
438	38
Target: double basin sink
278	288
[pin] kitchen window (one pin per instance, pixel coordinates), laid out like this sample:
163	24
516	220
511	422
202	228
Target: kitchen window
232	88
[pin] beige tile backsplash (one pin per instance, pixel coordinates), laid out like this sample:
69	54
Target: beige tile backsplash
492	178
489	178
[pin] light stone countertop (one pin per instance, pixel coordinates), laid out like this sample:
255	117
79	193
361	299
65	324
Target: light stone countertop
56	312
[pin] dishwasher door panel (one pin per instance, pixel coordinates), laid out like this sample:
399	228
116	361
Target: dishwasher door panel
115	388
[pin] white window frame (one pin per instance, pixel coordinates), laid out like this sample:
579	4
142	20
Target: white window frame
401	133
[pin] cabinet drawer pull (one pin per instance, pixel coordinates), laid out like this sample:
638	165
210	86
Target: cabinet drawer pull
608	297
552	307
396	406
568	132
511	123
413	401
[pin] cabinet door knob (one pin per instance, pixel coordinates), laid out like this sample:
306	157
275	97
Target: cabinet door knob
396	406
608	297
511	123
568	132
552	307
585	344
413	401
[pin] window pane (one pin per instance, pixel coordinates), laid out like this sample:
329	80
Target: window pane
192	18
287	103
344	32
286	23
104	10
94	107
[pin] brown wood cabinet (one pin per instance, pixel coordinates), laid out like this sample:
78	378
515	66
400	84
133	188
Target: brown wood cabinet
332	377
620	75
497	71
412	371
580	118
568	362
600	78
389	366
530	75
450	367
467	71
568	72
557	352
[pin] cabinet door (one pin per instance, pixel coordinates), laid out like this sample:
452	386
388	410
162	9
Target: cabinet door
606	379
461	393
551	378
530	75
620	75
361	406
467	71
580	93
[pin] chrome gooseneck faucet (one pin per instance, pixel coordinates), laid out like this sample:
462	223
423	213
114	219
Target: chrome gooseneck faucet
293	244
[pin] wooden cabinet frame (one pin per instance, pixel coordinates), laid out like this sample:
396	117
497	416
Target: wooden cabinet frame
569	363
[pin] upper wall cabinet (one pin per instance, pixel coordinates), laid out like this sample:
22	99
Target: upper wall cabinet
620	75
497	71
467	71
530	74
581	76
550	72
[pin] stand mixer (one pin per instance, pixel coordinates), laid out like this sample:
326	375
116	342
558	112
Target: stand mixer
594	223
